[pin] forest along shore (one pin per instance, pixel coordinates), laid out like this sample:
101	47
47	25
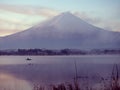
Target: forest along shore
60	52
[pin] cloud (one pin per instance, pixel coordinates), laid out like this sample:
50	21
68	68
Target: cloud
15	18
30	10
5	32
108	24
87	17
16	23
9	27
112	25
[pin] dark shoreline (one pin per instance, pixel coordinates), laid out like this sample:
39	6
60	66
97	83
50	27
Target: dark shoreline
61	52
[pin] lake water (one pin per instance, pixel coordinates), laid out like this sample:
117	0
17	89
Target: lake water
47	70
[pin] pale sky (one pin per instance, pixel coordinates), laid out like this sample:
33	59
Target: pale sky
18	15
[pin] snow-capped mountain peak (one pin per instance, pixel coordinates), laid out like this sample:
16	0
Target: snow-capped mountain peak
62	31
66	22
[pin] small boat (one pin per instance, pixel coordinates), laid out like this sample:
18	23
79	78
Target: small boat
28	59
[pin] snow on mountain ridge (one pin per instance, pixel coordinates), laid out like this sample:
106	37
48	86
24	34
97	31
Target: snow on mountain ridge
62	31
63	23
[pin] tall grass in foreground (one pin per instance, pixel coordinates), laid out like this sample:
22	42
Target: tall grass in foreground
56	87
74	86
107	84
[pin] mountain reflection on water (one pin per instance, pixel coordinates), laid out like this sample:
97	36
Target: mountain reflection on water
9	82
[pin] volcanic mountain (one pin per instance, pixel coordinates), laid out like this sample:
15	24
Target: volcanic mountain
63	31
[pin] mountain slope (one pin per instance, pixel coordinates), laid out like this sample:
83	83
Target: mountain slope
62	31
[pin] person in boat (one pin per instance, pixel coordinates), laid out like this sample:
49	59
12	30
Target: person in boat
28	59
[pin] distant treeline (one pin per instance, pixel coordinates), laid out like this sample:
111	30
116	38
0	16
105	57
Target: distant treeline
58	52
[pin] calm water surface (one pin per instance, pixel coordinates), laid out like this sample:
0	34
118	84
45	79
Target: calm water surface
53	69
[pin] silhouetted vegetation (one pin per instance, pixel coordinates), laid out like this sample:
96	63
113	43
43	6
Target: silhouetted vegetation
58	52
111	83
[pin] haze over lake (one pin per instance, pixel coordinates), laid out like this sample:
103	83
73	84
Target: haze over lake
48	70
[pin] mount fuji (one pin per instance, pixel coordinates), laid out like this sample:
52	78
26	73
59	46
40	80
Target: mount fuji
63	31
